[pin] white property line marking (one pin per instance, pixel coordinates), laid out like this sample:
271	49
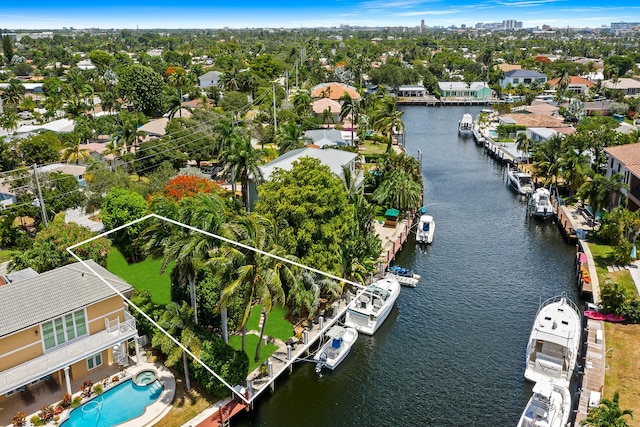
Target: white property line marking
206	233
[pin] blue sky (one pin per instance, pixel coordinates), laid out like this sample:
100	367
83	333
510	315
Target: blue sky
294	14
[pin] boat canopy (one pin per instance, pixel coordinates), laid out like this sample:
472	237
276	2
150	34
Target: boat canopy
392	213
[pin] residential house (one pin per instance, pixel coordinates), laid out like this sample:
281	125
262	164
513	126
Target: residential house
625	159
629	87
335	159
474	91
78	171
323	138
319	106
155	128
211	78
57	126
524	77
539	135
334	90
577	85
59	326
412	91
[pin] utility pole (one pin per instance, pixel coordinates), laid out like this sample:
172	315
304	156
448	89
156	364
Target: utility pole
275	118
296	64
40	200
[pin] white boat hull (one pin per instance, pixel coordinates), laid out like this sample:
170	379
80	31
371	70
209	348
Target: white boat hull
554	342
426	229
550	406
540	204
521	182
332	353
371	307
412	281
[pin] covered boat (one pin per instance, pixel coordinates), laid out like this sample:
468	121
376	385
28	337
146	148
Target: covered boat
337	347
426	228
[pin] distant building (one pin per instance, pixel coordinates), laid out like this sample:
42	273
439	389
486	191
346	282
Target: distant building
629	87
511	24
474	91
524	77
576	84
212	78
624	26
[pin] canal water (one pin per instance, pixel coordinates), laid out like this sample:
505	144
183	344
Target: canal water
452	351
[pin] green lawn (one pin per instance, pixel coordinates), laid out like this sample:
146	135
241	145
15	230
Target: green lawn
4	255
277	324
370	147
603	256
251	341
143	275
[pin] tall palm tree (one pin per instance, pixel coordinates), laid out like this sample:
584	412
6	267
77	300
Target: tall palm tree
179	79
547	156
603	192
290	137
399	190
14	93
243	159
302	103
177	320
522	144
608	414
390	124
573	166
73	151
350	108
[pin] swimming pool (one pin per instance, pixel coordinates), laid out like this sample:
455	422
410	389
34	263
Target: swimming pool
122	403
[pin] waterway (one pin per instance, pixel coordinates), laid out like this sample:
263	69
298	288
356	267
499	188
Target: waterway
452	352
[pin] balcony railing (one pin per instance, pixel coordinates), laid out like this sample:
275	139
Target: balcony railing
66	355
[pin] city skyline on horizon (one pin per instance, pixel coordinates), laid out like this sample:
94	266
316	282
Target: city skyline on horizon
121	14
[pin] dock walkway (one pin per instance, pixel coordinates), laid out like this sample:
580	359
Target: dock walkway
593	368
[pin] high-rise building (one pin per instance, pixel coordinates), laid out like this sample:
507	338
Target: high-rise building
422	25
511	24
624	26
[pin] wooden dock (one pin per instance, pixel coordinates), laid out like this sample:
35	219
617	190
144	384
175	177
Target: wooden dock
593	367
571	219
497	151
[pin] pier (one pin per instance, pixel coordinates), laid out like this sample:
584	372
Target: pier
432	101
593	369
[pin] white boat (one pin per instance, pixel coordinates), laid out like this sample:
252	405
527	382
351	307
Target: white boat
549	406
372	305
466	123
336	348
540	205
405	276
554	342
521	182
426	228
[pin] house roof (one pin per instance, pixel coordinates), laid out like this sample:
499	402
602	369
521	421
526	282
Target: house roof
155	127
509	67
462	85
524	74
211	75
536	120
542	108
322	104
574	81
65	168
54	293
545	133
622	83
334	90
61	125
335	159
628	155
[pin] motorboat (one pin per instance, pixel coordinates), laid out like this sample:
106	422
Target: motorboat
372	305
335	349
426	228
478	136
405	276
520	181
465	124
554	342
549	406
540	205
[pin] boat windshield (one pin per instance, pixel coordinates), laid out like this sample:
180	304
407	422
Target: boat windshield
525	181
382	293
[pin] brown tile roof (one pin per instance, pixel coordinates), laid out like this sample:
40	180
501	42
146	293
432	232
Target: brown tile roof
628	155
536	120
509	67
575	80
334	91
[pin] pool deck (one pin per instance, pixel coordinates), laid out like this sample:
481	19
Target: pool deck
160	407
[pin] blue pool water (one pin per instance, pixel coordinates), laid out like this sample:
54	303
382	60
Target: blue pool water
117	405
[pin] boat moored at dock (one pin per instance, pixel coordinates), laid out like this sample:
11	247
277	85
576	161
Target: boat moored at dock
335	350
540	205
554	342
550	406
426	228
465	124
405	276
372	305
520	181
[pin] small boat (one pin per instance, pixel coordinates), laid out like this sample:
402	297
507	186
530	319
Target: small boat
372	305
465	124
595	315
540	204
521	182
338	345
611	317
405	276
550	406
426	228
478	136
554	342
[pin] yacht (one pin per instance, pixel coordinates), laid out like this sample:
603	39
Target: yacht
540	205
549	406
554	342
521	182
372	305
336	348
426	228
465	124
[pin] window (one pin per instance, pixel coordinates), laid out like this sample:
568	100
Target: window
62	329
516	80
94	361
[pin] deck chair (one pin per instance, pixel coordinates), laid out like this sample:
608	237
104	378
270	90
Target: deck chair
27	396
52	384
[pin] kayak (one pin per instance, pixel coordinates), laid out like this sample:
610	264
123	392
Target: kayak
595	315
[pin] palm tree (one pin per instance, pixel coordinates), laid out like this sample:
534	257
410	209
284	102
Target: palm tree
291	137
243	159
573	166
547	158
301	103
608	414
262	277
179	79
326	117
399	190
351	108
177	321
602	192
390	124
14	93
73	151
522	144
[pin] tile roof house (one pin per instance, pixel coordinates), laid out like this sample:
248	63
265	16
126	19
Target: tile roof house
61	325
334	90
576	84
629	87
524	77
319	106
625	159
